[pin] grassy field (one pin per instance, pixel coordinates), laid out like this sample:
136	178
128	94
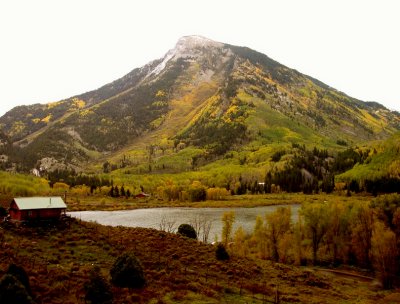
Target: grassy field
81	203
177	269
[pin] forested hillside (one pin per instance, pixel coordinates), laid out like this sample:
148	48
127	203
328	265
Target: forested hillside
206	107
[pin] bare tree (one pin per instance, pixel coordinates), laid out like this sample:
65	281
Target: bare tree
167	225
206	226
202	226
196	223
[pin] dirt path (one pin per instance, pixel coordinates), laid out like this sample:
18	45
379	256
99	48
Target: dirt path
345	274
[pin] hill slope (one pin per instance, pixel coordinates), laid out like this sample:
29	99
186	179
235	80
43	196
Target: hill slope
381	164
203	94
177	269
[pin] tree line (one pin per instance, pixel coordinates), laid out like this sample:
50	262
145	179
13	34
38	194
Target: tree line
341	233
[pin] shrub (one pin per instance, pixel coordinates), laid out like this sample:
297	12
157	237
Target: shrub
20	274
60	186
220	253
341	142
3	211
12	291
127	271
217	193
187	230
97	289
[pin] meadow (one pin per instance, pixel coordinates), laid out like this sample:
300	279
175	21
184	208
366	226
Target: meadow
356	234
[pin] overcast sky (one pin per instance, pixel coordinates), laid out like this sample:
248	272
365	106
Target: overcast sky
51	50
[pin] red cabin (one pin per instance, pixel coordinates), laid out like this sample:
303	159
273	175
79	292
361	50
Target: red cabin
142	195
37	208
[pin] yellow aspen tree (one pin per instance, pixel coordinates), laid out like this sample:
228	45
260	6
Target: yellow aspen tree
338	228
298	237
228	218
285	247
278	224
240	242
259	238
362	226
384	253
316	223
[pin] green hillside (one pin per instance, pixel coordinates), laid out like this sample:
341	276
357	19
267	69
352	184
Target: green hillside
205	108
382	164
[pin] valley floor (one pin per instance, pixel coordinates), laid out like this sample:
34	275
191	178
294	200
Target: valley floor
82	203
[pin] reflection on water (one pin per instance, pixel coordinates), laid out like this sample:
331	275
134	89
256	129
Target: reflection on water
154	217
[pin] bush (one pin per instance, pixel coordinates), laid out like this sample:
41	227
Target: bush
3	211
12	291
341	142
127	271
220	253
216	193
97	289
20	274
188	231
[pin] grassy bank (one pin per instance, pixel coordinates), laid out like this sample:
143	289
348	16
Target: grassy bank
81	203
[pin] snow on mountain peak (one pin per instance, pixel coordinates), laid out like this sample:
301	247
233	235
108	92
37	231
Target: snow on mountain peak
196	41
184	48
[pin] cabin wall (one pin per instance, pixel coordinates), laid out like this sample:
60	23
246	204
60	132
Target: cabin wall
37	214
14	212
34	214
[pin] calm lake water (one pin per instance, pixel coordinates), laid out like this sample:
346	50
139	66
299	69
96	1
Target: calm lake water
171	218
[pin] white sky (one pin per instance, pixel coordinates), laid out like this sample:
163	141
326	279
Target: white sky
54	49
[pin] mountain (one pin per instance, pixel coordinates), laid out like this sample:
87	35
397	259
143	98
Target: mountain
203	98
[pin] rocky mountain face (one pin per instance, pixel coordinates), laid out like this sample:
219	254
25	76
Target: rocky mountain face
203	94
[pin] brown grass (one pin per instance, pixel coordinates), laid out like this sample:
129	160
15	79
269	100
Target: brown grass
177	269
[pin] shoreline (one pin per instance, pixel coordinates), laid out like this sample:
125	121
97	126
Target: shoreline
96	203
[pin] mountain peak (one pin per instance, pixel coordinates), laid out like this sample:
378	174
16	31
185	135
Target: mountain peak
187	46
195	41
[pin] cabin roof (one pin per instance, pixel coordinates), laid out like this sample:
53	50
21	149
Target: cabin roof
29	203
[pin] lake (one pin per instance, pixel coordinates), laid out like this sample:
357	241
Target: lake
169	219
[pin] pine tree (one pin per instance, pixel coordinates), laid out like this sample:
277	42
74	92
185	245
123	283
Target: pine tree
13	291
127	271
98	290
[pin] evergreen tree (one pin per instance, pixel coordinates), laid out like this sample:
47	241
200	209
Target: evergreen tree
220	253
13	291
98	290
20	274
328	184
268	183
187	230
116	191
127	271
